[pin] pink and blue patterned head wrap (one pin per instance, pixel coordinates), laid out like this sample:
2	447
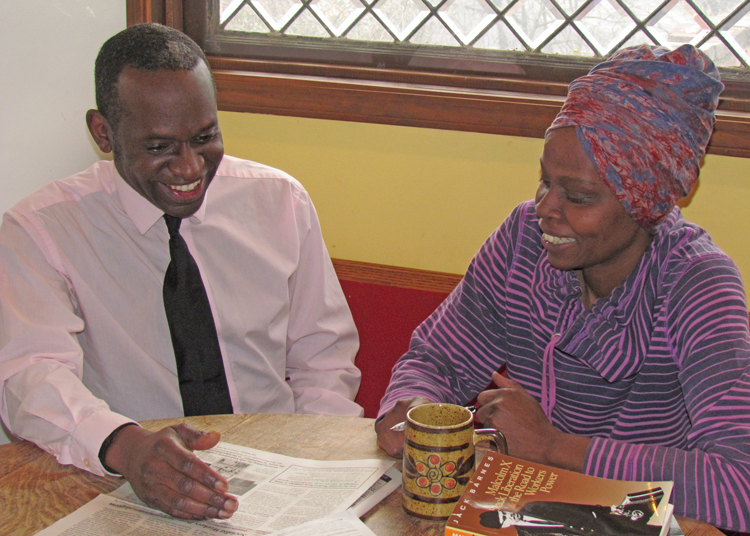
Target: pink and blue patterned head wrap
644	118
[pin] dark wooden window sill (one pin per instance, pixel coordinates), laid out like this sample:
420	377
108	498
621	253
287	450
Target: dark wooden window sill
450	102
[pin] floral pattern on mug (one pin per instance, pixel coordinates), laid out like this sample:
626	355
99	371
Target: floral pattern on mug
437	476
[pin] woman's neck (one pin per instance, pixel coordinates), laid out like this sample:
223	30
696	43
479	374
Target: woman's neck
599	281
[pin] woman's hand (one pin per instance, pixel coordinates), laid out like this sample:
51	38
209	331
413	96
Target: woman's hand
388	440
528	431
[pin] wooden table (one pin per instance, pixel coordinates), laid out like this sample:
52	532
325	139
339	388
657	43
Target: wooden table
35	491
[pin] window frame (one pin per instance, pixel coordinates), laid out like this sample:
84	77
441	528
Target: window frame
522	101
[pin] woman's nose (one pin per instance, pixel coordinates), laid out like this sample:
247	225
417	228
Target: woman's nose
545	201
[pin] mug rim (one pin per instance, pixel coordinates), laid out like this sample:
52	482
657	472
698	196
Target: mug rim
469	419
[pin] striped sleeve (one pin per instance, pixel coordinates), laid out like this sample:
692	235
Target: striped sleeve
453	353
707	333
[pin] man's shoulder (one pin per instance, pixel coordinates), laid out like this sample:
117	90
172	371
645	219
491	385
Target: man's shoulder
97	178
253	185
240	168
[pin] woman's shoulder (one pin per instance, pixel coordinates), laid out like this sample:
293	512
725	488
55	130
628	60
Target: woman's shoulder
689	267
521	224
681	246
518	238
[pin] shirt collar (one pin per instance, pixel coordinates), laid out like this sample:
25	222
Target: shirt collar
140	210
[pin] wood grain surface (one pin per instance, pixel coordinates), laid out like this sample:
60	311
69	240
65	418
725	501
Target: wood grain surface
35	491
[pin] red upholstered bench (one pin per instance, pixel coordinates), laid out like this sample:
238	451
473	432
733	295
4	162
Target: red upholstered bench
387	304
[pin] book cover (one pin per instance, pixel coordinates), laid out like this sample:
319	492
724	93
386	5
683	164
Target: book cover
508	496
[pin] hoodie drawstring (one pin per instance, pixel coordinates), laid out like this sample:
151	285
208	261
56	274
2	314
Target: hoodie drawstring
548	377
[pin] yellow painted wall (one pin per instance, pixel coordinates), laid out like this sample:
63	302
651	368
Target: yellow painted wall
427	199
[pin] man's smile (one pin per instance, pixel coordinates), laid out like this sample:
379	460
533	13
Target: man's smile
185	187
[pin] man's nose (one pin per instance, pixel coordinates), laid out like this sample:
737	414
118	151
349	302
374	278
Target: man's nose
188	164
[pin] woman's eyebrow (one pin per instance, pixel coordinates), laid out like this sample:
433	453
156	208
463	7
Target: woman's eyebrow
568	179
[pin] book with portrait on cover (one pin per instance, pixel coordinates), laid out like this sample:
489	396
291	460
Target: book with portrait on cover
508	496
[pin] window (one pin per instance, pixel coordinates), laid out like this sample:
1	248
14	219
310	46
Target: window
450	64
588	28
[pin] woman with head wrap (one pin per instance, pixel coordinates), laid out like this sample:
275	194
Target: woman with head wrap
623	328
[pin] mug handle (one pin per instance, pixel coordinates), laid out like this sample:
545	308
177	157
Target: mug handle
491	434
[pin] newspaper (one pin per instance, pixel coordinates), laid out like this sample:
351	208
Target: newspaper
384	486
341	524
275	493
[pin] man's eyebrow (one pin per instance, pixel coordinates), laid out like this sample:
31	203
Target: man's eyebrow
166	137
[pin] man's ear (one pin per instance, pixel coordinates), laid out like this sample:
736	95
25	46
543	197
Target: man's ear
100	130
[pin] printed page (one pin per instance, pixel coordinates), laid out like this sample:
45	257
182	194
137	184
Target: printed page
342	524
384	486
275	492
278	491
108	515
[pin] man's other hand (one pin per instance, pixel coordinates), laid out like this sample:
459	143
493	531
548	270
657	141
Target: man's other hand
166	475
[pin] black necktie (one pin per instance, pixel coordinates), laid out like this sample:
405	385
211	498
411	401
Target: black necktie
200	369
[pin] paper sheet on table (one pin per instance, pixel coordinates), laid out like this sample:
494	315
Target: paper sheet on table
274	491
384	486
341	524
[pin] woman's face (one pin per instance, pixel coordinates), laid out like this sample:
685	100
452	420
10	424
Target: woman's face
584	226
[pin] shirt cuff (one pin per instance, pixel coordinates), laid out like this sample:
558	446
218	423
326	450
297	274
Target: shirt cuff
89	436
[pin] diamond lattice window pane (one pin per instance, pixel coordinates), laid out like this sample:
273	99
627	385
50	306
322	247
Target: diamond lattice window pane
338	15
247	20
519	25
639	38
500	4
717	10
720	54
499	37
571	6
277	12
467	18
434	33
534	20
605	25
308	26
678	24
739	37
643	8
401	16
568	42
226	8
369	29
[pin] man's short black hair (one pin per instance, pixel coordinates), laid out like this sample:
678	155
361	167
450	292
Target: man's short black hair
147	47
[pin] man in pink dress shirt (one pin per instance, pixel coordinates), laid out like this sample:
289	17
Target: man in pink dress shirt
85	347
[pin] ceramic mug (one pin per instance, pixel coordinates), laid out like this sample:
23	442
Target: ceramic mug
439	457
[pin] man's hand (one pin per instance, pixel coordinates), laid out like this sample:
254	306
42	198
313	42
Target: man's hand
388	440
165	473
528	431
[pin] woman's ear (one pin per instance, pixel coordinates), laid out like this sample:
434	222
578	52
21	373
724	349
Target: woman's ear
100	130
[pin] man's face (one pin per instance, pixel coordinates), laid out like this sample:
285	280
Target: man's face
167	144
508	518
